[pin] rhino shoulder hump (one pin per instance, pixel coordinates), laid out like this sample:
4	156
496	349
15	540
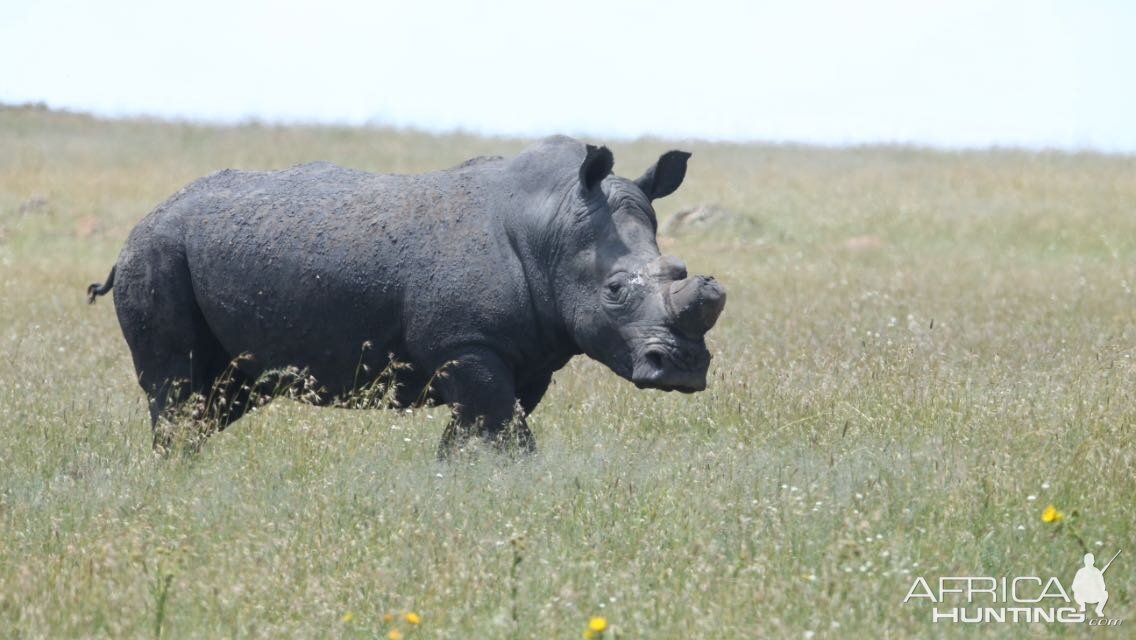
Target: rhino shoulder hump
478	160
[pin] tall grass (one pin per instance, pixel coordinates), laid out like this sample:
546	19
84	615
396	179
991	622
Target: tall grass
921	351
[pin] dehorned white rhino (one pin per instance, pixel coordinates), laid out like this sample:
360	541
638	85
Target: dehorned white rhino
502	269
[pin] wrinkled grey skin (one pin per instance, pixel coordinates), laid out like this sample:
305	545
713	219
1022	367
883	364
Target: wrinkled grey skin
505	267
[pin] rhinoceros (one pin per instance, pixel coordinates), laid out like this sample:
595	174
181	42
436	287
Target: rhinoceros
495	272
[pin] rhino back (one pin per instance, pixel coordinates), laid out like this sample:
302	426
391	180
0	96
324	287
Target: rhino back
302	266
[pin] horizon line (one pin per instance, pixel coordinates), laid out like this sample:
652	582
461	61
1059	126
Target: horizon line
377	123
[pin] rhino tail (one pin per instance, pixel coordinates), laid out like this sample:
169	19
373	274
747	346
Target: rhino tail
96	289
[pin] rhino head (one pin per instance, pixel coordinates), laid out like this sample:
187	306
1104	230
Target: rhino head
630	307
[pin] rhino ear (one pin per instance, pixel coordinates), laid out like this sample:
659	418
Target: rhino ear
662	179
597	165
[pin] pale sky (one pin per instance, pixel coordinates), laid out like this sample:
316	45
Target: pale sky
953	73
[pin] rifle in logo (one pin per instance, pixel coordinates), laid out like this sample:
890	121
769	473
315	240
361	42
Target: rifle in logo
1109	563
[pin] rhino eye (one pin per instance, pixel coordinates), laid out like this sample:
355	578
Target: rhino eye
615	291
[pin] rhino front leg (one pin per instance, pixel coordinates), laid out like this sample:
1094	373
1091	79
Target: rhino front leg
480	388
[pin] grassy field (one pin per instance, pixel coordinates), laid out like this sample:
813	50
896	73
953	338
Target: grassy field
921	351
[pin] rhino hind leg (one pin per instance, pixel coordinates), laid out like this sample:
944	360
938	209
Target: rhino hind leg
181	365
195	390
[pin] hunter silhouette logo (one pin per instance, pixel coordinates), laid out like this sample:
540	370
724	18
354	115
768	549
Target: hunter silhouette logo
1088	584
986	599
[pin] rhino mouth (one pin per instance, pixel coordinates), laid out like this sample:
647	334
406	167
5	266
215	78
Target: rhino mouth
679	366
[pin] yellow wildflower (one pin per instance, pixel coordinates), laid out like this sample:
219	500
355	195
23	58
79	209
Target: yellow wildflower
597	624
590	635
394	634
1051	515
348	617
388	617
413	618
